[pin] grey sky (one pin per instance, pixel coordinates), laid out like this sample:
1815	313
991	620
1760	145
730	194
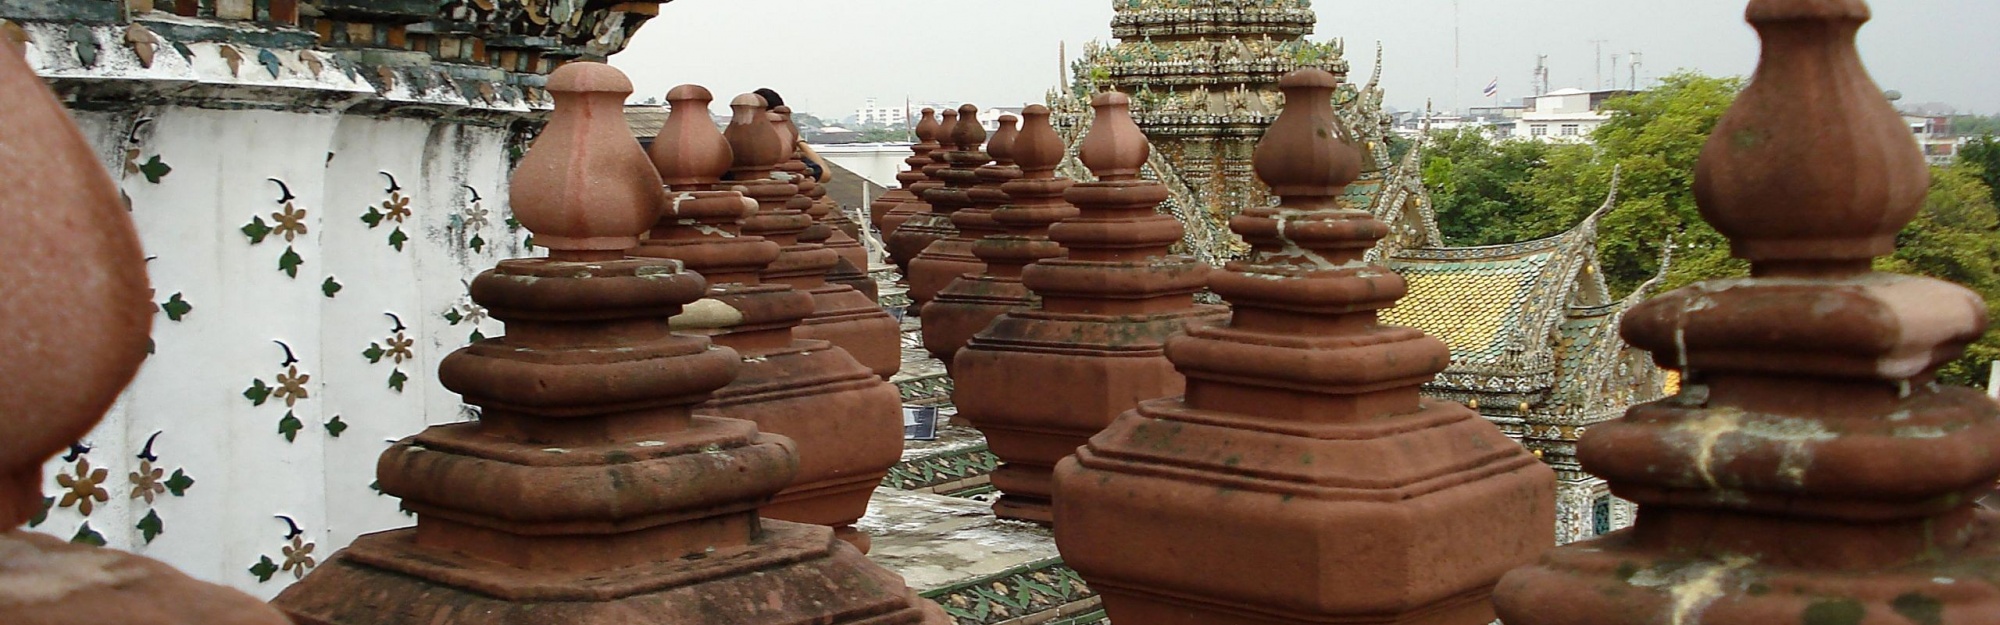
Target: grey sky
828	56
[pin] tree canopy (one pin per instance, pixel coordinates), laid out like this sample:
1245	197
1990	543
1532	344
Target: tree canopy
1489	192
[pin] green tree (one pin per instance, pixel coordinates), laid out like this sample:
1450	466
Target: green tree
1490	192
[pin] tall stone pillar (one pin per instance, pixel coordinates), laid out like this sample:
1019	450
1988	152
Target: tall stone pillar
1303	479
1040	382
921	225
75	322
841	315
887	210
1811	470
1029	201
847	421
588	492
951	255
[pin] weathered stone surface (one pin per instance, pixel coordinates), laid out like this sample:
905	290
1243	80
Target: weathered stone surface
1094	348
883	211
951	255
919	225
1018	203
589	491
1302	478
1810	469
845	419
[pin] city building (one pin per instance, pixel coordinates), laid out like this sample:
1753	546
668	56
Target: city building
1565	115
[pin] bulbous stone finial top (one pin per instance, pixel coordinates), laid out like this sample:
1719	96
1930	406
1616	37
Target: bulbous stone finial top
585	188
74	324
756	147
1038	149
947	124
968	134
689	150
1812	171
1001	146
927	127
1305	156
1115	149
788	135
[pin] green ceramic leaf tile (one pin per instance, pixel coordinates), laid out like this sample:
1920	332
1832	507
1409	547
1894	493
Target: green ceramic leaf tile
373	353
257	230
396	380
151	526
396	238
176	307
335	427
264	568
290	262
42	516
330	287
258	393
155	169
87	536
290	426
179	483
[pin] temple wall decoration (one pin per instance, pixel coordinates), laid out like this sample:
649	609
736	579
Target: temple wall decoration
313	208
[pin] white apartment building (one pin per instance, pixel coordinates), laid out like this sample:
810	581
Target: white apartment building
1565	115
871	113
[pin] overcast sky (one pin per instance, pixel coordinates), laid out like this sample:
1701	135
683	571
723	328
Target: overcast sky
828	56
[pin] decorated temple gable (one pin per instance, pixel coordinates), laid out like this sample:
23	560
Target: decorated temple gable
1535	348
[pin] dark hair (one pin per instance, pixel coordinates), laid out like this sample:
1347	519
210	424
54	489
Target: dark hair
771	98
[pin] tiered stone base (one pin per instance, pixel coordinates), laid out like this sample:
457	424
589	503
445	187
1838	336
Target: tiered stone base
793	573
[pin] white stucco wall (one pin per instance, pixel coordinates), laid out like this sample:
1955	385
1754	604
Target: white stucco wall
198	170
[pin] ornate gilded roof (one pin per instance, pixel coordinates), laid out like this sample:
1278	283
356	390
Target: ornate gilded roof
1500	308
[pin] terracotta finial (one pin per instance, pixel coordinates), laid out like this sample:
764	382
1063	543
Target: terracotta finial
1296	157
1811	170
1001	146
756	148
689	150
927	127
968	134
947	126
1115	148
1810	468
73	326
585	188
1038	149
788	135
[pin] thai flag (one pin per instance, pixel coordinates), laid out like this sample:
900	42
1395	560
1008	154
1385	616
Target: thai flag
1493	88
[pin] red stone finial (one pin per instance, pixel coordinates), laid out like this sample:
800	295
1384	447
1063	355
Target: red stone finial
689	150
927	127
1038	149
968	134
757	149
585	188
1115	149
73	330
1810	469
1307	161
904	244
1810	136
1302	428
1001	146
947	125
1096	341
1296	158
781	122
